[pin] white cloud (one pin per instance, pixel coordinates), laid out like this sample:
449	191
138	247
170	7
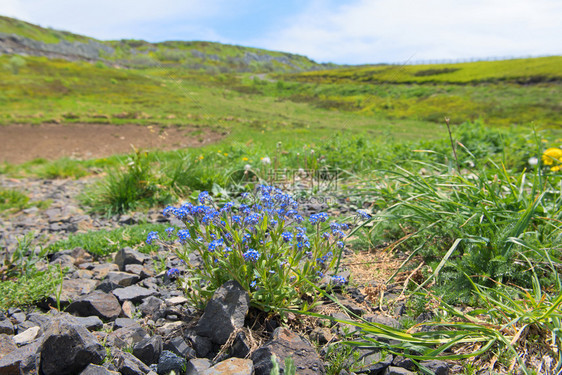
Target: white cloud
116	19
370	31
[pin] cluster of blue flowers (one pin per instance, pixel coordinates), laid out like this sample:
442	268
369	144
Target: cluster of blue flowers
264	230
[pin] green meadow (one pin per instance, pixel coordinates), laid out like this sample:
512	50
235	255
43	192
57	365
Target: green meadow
480	206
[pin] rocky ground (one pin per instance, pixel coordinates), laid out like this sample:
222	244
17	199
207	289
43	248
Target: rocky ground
120	315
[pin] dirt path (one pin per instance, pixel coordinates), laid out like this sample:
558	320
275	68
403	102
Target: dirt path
24	142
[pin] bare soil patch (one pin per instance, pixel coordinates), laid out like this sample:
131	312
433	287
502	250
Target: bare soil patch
24	142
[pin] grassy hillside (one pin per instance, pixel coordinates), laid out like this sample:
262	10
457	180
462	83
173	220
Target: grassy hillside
533	70
205	56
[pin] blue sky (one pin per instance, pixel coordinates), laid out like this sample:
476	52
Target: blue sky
346	32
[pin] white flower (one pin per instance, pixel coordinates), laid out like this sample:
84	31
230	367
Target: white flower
247	167
533	161
266	160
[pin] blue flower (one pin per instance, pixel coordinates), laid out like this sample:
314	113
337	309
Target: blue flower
326	235
152	236
287	236
204	197
344	226
247	237
168	211
338	233
170	231
253	284
173	273
299	219
321	217
338	280
251	255
363	214
215	244
340	244
183	235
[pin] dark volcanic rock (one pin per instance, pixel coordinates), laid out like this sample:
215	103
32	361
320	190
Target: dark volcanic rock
91	323
224	313
178	346
128	364
283	344
7	345
149	349
170	362
132	293
437	367
6	325
127	256
67	347
127	336
20	361
97	303
97	370
370	361
122	278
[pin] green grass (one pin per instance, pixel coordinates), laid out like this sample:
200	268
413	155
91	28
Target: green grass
104	242
29	289
12	201
531	70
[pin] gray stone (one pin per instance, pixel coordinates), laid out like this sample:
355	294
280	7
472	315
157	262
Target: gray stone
6	326
127	256
101	270
196	366
91	323
178	346
168	361
125	322
122	278
151	306
67	347
97	370
27	336
370	361
127	337
128	364
132	293
107	286
224	313
97	303
171	329
404	362
384	320
42	320
392	370
20	361
18	315
231	366
128	309
149	349
437	367
7	344
283	344
201	344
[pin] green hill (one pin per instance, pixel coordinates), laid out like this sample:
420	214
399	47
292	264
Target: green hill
22	37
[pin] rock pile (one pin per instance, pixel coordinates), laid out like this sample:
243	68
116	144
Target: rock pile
122	317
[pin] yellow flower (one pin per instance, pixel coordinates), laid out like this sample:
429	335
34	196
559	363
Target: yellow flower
225	154
200	157
556	168
245	159
551	155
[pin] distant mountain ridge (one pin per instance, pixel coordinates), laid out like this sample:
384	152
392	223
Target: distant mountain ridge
20	37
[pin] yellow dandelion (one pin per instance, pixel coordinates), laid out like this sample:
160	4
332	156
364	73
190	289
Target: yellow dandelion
556	168
201	157
245	159
551	156
225	154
